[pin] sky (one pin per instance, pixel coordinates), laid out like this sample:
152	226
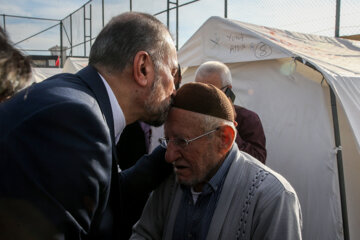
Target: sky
307	16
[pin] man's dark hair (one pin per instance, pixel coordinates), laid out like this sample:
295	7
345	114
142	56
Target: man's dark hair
124	36
15	68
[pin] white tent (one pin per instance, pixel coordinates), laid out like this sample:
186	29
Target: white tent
39	74
74	64
292	98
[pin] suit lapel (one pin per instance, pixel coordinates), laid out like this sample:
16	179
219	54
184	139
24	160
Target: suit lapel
91	77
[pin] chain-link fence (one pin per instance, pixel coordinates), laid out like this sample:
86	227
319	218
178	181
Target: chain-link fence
76	32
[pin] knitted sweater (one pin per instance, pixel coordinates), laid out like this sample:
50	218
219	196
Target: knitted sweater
255	203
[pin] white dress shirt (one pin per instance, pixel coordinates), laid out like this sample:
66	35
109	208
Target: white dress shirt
118	115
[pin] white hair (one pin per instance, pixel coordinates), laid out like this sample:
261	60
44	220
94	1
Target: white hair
209	123
216	67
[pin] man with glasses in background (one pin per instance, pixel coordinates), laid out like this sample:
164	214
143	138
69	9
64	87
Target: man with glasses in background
216	191
251	137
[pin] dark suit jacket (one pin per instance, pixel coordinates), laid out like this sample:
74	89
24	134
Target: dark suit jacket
131	145
251	137
58	164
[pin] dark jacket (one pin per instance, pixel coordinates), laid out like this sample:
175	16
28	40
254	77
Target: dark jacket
58	166
251	137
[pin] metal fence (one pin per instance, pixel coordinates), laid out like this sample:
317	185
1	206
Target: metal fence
77	31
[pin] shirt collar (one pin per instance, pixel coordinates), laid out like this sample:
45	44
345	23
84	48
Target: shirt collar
118	115
217	180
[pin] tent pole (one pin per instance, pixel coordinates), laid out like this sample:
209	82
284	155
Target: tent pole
61	46
168	14
84	12
337	19
340	165
71	36
177	25
225	8
337	141
4	22
103	13
338	155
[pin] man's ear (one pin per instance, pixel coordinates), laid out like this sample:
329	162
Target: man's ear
143	68
227	135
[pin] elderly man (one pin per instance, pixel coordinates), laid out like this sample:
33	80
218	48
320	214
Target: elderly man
59	173
217	191
251	136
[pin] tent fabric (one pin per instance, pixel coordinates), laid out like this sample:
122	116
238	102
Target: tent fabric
290	150
39	74
233	41
74	64
292	100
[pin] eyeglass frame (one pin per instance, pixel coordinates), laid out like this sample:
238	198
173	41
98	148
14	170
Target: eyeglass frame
164	142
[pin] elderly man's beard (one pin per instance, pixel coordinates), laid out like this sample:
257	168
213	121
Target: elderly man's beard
156	112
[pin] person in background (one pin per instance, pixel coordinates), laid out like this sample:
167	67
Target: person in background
251	137
15	68
216	191
59	172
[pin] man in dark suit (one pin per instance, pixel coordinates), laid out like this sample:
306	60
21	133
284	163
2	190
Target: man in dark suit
59	173
250	137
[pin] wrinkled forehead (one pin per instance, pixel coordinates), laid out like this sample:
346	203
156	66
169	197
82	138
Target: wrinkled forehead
180	118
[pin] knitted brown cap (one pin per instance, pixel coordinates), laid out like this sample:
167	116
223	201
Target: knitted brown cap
204	98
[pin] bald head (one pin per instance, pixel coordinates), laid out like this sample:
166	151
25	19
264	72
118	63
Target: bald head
214	72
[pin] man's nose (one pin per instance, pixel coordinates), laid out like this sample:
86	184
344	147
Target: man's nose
172	153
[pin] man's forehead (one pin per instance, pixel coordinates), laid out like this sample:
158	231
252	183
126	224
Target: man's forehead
177	114
181	120
183	115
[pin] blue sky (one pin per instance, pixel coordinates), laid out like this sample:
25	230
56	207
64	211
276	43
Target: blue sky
307	16
56	9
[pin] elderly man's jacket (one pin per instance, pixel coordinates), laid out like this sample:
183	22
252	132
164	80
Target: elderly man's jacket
255	203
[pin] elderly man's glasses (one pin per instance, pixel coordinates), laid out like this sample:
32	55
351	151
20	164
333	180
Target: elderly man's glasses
229	93
180	142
